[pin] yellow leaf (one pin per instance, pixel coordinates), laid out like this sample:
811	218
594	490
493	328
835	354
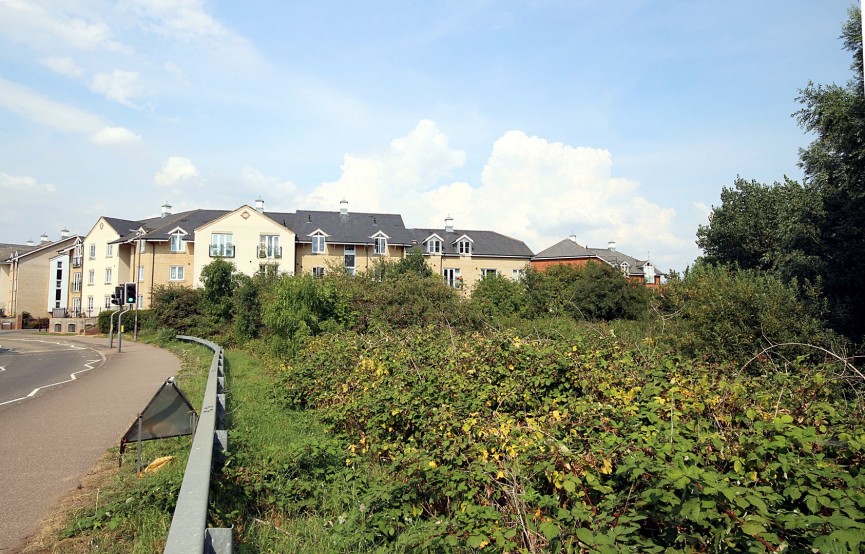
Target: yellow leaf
608	467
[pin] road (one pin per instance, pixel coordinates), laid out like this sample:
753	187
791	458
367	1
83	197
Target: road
30	365
65	401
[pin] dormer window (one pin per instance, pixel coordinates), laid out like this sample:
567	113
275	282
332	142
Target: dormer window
176	242
379	246
626	268
434	246
318	242
464	245
649	273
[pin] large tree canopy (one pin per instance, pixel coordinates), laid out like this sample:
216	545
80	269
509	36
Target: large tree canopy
814	231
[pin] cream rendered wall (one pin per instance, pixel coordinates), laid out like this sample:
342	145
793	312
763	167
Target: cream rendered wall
470	267
246	226
334	256
100	235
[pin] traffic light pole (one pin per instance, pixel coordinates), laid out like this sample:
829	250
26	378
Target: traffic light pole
111	331
120	330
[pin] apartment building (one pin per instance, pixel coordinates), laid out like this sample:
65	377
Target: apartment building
464	257
570	252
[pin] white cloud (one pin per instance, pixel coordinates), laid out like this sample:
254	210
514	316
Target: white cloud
269	187
34	107
119	86
42	28
177	171
115	135
24	184
188	21
531	189
63	65
178	74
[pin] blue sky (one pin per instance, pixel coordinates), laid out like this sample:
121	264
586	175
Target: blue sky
538	119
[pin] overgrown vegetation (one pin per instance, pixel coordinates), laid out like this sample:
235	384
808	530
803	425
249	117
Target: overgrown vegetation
569	412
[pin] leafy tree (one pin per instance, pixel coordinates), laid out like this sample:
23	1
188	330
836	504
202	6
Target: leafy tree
246	306
724	314
594	292
834	165
177	308
297	307
218	280
497	296
413	262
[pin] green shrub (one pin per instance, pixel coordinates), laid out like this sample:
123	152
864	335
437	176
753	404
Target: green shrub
725	314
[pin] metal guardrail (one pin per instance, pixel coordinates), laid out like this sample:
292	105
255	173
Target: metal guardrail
189	532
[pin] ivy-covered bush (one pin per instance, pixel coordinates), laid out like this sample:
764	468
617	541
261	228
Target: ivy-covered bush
581	444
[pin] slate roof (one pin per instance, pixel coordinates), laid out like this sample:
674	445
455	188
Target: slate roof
8	250
484	243
159	228
351	228
568	249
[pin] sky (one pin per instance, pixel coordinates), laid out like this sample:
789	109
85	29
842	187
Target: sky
539	119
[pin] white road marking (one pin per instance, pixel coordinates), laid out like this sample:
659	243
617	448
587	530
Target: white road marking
88	364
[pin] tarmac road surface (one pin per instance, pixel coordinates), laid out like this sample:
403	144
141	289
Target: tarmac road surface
50	439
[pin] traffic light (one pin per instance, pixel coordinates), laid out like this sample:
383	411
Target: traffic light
114	299
130	293
117	296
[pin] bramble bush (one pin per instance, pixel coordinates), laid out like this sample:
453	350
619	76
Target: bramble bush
580	443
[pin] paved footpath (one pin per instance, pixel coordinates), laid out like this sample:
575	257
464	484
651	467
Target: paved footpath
48	443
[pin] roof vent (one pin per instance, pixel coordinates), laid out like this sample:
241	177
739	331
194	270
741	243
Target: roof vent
30	242
259	204
64	233
611	245
166	209
449	224
44	238
343	207
573	238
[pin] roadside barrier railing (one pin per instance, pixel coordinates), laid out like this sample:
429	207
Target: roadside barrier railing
189	532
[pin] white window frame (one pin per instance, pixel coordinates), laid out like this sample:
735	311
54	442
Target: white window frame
452	277
319	243
518	274
318	272
76	305
176	244
221	245
140	301
91	254
76	282
486	272
141	274
268	247
108	302
379	246
434	246
91	277
109	275
89	305
464	247
177	273
109	250
349	250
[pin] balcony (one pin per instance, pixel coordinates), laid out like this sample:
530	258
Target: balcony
221	251
76	261
272	252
